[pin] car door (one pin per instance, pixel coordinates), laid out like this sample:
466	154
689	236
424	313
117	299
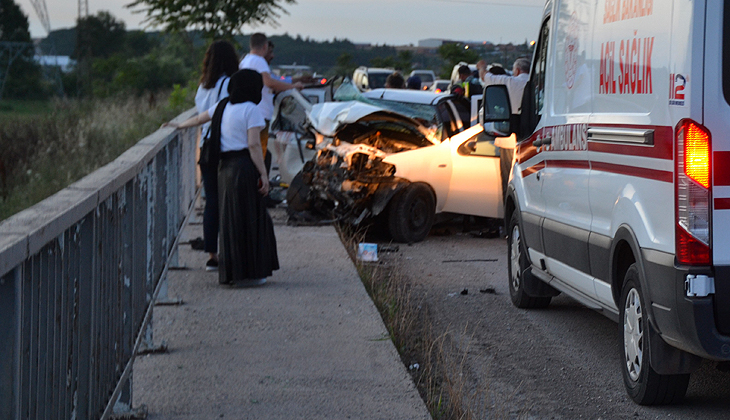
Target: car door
475	183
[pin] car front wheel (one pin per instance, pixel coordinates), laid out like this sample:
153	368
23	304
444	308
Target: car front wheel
411	214
644	385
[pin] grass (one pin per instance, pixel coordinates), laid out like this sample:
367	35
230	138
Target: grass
442	375
429	357
44	147
24	107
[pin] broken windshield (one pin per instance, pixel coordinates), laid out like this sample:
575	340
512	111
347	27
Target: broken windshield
424	113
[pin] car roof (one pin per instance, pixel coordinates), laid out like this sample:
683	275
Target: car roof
377	70
406	95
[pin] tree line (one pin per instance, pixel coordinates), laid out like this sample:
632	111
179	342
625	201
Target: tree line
111	59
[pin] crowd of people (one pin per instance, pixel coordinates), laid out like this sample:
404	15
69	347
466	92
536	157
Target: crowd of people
235	107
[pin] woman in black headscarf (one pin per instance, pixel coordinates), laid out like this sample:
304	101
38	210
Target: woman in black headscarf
247	243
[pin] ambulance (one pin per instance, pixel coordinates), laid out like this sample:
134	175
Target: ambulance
619	195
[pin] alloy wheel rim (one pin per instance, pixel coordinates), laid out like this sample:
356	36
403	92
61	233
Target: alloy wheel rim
515	258
633	334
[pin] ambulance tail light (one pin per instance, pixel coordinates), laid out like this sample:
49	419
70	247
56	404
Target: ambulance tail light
693	194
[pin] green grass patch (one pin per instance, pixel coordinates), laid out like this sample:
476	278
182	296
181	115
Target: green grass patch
44	147
14	108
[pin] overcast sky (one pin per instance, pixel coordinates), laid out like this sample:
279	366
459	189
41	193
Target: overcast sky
393	22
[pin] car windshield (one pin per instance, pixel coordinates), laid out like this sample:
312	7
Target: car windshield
425	77
377	80
426	114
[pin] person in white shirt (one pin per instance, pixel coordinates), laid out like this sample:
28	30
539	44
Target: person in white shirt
219	64
515	87
247	243
256	60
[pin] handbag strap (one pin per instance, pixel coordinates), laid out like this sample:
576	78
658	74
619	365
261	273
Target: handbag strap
217	99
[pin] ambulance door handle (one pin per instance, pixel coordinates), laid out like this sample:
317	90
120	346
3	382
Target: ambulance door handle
542	142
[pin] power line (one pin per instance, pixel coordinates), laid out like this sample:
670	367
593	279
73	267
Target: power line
42	12
492	3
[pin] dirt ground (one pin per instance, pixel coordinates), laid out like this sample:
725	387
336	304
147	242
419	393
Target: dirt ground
558	363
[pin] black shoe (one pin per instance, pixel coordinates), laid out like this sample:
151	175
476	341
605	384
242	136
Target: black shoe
197	244
211	265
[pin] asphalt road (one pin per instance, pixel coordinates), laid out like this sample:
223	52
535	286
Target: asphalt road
560	362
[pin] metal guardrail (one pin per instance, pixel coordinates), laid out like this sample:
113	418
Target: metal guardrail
79	274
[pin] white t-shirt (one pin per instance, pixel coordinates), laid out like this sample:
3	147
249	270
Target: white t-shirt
258	63
206	98
515	86
236	120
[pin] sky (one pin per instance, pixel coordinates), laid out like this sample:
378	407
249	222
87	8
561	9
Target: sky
392	22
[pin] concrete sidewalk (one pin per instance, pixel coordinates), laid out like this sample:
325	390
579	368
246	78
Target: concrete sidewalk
309	344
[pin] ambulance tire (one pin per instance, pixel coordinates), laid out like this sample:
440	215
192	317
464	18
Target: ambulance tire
517	263
643	384
411	213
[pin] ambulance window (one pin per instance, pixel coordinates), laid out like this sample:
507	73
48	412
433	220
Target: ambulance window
539	69
726	53
533	98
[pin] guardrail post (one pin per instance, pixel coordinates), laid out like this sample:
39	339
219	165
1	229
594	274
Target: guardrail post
9	345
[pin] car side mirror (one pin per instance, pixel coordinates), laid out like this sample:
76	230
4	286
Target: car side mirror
468	147
496	111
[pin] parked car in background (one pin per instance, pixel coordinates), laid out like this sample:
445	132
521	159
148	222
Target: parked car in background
396	156
440	85
455	71
292	105
427	78
366	78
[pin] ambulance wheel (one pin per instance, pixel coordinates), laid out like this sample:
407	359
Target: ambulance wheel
516	266
411	213
644	385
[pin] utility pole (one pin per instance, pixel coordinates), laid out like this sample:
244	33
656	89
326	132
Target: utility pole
13	51
83	65
83	8
42	11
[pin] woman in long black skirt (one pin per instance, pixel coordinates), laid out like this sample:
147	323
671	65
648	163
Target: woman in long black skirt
247	243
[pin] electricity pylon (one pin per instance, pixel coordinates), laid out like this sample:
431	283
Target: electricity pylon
42	12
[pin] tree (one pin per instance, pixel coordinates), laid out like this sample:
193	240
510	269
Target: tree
452	54
405	61
17	68
214	18
345	65
99	36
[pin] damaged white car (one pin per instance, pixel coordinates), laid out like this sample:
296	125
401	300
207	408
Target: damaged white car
402	167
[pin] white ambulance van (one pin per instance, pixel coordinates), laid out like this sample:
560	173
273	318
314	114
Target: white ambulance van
620	191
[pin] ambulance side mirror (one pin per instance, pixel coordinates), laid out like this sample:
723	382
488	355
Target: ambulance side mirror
496	111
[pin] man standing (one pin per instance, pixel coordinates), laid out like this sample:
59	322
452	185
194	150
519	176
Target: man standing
256	60
515	87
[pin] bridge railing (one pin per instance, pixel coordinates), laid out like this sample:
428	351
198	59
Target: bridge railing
79	274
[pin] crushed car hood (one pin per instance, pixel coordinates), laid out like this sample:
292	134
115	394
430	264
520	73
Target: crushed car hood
329	117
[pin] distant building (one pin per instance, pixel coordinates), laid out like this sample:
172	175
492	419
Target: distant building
435	42
430	43
64	62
